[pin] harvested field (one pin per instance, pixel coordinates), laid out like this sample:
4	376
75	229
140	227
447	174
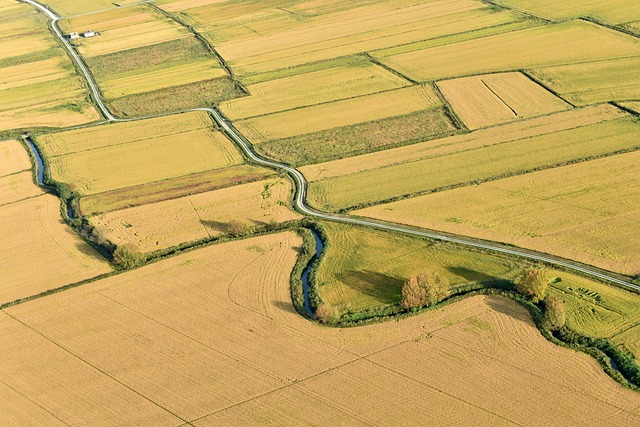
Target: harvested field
585	212
13	158
340	113
193	95
18	186
464	168
114	156
511	132
162	77
497	98
320	86
592	82
360	138
118	133
169	223
353	30
549	45
146	329
35	239
146	161
38	87
609	11
171	188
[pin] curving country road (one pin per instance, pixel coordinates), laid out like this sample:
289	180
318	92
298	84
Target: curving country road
301	182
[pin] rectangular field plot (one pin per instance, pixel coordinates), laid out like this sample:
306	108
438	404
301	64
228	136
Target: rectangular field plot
497	98
217	325
171	188
586	212
123	155
341	82
592	82
467	167
608	11
169	223
38	86
340	113
549	45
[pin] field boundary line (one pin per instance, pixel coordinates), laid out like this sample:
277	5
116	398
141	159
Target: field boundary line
208	46
530	76
478	181
96	368
35	403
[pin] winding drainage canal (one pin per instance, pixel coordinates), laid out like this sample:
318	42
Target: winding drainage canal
305	274
40	170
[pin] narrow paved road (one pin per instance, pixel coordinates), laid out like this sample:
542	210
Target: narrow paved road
301	183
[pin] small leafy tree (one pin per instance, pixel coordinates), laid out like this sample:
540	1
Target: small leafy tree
555	312
436	287
533	283
424	289
413	295
125	257
326	313
237	228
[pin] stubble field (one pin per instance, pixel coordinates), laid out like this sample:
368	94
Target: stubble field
228	320
583	212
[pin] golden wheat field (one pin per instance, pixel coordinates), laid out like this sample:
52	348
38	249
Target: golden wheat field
218	326
609	11
510	132
592	82
497	98
464	168
13	158
585	212
322	86
324	36
559	44
315	118
38	86
113	160
172	188
74	7
172	222
123	29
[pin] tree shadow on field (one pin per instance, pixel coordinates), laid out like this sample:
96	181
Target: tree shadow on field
510	308
222	227
471	275
285	306
382	287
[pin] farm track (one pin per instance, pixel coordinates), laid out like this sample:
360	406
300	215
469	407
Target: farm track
301	183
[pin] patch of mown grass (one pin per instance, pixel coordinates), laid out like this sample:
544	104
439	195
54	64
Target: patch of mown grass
193	95
169	52
357	139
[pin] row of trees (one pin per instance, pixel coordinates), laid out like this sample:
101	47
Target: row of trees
430	288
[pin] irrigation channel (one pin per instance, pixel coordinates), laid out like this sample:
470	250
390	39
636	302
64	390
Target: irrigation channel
306	286
301	183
